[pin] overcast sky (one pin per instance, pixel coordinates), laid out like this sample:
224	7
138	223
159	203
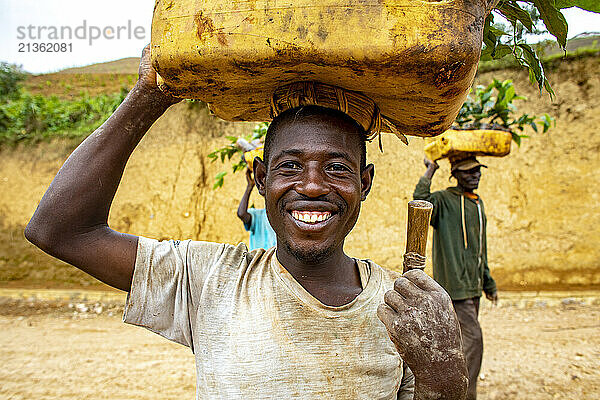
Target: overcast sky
130	19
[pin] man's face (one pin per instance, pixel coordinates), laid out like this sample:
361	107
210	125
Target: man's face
469	179
313	186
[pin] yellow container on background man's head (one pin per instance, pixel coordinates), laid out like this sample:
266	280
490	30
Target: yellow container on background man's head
249	156
461	143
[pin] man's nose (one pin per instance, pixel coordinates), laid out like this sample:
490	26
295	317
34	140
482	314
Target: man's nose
313	183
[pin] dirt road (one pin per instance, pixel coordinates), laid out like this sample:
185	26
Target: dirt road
61	350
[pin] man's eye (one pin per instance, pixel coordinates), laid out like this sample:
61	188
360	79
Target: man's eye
338	167
289	165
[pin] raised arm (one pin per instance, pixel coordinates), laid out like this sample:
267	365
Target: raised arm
71	221
432	166
422	191
242	211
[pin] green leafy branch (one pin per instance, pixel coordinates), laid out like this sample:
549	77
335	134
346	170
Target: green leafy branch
492	106
231	149
523	17
11	77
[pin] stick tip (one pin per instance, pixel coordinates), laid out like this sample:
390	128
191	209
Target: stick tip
420	204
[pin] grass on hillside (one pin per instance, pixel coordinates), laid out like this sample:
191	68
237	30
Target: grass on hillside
124	66
74	86
33	118
66	105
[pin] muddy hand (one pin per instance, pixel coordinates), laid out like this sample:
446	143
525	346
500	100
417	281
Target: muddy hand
147	79
421	322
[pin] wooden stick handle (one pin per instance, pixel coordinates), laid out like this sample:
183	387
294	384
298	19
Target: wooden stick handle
419	214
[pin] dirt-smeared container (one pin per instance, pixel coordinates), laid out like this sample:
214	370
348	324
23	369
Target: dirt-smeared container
415	59
249	156
477	142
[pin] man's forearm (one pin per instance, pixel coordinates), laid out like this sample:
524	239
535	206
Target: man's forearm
243	207
430	172
80	195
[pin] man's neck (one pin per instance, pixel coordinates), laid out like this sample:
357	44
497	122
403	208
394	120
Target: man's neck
468	192
334	280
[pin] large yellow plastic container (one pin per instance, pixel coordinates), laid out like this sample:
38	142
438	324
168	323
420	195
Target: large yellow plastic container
415	58
249	156
481	142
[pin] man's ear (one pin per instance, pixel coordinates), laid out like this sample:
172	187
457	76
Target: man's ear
452	175
260	174
366	180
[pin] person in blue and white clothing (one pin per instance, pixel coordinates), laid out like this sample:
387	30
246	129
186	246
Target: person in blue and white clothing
255	220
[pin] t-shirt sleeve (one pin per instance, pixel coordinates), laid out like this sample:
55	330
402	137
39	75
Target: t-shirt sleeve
407	386
251	226
167	283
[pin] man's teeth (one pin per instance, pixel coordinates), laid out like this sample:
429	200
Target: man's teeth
311	217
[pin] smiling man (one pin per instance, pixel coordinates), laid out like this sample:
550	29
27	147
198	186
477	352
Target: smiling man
301	320
460	252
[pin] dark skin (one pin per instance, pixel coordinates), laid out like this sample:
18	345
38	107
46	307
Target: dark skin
242	211
318	174
468	182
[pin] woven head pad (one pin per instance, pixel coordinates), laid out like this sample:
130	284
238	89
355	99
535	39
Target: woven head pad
356	105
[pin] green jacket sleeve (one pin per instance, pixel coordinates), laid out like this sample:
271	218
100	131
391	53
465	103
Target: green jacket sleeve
423	192
489	285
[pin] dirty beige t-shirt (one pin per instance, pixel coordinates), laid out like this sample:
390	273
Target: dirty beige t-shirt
256	332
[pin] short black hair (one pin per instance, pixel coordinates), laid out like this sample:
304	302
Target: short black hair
312	111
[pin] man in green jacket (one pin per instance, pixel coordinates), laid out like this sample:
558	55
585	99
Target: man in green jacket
460	252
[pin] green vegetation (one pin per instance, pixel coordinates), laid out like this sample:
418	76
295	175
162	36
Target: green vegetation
11	77
27	117
228	151
528	17
548	61
71	86
35	118
492	107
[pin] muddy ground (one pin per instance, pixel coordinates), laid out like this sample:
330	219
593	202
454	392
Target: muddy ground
535	348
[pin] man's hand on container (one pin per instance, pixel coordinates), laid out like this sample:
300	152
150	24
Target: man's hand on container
422	324
249	179
147	80
432	166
